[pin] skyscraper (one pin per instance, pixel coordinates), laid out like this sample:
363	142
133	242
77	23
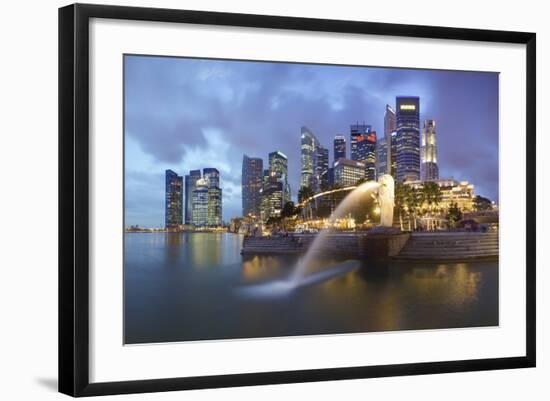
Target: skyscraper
407	140
357	133
321	169
363	148
200	203
251	181
278	167
389	136
430	170
272	198
173	206
190	185
339	147
382	159
309	144
214	209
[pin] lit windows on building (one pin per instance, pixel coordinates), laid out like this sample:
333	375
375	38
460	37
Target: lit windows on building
173	207
407	139
348	172
309	144
200	204
190	185
252	181
339	147
452	191
430	169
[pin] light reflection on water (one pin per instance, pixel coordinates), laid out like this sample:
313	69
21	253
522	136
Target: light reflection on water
182	287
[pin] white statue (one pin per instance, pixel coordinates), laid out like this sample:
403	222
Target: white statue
385	199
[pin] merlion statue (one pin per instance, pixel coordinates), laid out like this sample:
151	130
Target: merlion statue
385	200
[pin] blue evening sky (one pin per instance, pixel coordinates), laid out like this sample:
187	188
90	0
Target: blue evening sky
184	114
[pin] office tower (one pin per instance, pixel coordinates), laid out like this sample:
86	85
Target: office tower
357	135
309	144
430	169
200	203
407	140
173	206
212	176
382	159
251	182
339	147
330	176
214	211
321	169
272	198
348	172
278	167
190	185
389	137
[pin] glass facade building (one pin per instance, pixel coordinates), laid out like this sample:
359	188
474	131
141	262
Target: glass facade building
321	169
214	212
389	137
309	144
252	181
339	147
407	139
363	148
190	185
430	170
173	207
382	157
278	167
200	204
348	172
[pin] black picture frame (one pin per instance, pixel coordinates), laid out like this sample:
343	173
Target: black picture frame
74	198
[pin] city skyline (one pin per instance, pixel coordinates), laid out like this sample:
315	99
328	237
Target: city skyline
264	116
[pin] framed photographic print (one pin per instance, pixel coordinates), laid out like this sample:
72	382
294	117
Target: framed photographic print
250	199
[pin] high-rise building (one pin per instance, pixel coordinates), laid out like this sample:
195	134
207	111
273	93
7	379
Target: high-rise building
212	176
200	203
173	206
190	185
363	148
430	170
348	172
272	198
389	136
357	134
309	144
278	167
252	182
214	210
321	169
330	176
407	140
339	147
382	159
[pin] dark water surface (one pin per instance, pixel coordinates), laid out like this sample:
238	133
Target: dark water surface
189	286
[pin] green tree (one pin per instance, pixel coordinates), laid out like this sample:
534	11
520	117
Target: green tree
454	214
399	202
304	193
432	196
481	203
289	210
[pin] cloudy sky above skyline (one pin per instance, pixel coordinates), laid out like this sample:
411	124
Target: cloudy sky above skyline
184	114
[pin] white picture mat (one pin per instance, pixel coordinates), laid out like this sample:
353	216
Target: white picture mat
110	360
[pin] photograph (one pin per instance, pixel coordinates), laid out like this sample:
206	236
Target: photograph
269	199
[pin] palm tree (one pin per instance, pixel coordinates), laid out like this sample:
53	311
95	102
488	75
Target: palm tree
399	202
432	196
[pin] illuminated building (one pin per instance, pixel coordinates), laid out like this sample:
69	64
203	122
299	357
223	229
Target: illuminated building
339	147
272	198
214	209
363	148
309	144
330	177
278	167
173	206
430	170
251	181
200	204
321	169
347	172
190	185
407	140
389	137
382	159
452	191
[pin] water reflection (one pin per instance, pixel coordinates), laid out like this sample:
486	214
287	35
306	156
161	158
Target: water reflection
182	287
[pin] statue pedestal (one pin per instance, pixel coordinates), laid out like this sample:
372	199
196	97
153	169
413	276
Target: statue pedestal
382	242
